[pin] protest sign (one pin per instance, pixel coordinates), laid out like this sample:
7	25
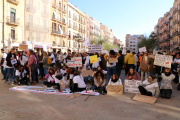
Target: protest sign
124	52
163	60
145	99
86	73
132	86
115	50
75	62
23	47
113	60
93	59
94	48
14	61
90	92
115	89
143	49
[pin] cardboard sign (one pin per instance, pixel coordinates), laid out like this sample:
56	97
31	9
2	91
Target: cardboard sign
94	48
115	89
132	86
75	62
14	61
113	60
145	99
143	49
23	47
163	60
93	59
86	73
124	52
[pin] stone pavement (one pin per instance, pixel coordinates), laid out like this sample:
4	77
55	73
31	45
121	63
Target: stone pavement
32	106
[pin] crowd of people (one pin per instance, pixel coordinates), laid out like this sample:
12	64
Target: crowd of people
28	67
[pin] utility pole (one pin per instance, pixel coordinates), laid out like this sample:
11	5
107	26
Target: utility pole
3	26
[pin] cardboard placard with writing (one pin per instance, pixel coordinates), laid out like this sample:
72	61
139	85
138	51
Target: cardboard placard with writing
75	62
131	86
94	48
93	59
23	47
86	73
145	99
163	60
115	89
143	49
113	60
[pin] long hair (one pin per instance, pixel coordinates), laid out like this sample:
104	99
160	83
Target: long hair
19	68
76	73
53	72
30	53
45	54
97	73
116	77
133	71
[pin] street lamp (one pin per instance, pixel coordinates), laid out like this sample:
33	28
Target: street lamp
78	38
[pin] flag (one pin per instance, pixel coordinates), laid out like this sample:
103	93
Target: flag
87	42
9	43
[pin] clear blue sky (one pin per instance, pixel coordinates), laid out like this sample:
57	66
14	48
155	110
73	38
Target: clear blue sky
126	16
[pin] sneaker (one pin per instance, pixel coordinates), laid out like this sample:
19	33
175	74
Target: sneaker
7	83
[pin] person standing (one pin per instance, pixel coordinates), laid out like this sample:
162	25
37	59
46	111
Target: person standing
3	59
10	65
119	64
144	66
129	61
41	69
53	59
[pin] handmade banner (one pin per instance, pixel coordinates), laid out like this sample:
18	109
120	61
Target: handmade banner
115	89
145	99
143	49
23	47
75	62
86	73
94	48
113	60
132	86
163	60
93	59
37	89
90	92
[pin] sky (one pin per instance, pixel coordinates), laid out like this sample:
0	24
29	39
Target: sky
126	16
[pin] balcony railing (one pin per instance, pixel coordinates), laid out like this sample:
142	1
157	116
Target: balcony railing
59	20
54	5
12	21
58	32
53	18
175	33
69	25
175	10
171	18
64	34
64	11
63	21
171	27
31	8
175	22
15	2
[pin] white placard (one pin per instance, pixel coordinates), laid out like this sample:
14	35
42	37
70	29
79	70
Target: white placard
14	61
143	49
132	86
44	47
163	60
94	48
124	52
75	62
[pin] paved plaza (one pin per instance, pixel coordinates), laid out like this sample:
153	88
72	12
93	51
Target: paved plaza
32	106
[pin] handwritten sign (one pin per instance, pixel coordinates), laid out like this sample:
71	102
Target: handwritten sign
145	99
93	59
23	47
124	52
75	62
163	60
94	48
115	89
113	60
14	61
86	73
143	49
132	86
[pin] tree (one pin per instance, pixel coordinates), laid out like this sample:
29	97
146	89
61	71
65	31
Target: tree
148	43
108	47
98	40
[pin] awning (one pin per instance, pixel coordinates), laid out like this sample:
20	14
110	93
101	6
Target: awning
174	48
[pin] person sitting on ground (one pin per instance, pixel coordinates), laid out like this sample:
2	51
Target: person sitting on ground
166	83
22	75
79	84
115	80
149	87
178	88
132	75
99	81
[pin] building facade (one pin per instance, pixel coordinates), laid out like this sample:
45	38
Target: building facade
96	28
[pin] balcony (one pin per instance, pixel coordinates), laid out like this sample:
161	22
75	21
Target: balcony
69	25
54	19
171	27
44	14
175	11
59	20
12	21
175	22
171	18
74	27
15	2
45	1
63	21
64	11
54	5
69	16
64	34
175	34
56	32
31	8
35	27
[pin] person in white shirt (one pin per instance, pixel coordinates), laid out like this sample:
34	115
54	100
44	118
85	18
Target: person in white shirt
79	84
115	80
22	58
3	61
22	75
150	87
176	63
63	71
53	59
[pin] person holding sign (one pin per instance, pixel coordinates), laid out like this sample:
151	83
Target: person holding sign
144	66
129	61
95	64
150	87
133	75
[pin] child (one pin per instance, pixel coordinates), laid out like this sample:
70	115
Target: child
22	75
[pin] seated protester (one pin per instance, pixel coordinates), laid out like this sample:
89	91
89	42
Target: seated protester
63	71
166	86
178	88
115	80
78	82
150	87
22	75
99	81
176	63
99	69
132	75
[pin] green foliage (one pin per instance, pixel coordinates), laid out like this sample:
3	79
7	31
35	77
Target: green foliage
98	40
148	43
108	47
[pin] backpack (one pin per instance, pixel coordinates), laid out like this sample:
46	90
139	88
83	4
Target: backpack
49	61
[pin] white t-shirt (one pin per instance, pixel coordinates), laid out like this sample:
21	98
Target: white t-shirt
4	55
150	87
18	74
71	76
24	59
87	60
95	65
63	71
52	56
79	80
178	61
119	82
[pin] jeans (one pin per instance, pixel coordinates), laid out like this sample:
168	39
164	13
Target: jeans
110	72
94	87
10	72
94	69
52	65
33	75
3	71
46	71
41	69
142	75
143	91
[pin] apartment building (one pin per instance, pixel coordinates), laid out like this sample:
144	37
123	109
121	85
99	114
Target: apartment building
89	28
132	42
59	24
11	26
106	31
96	28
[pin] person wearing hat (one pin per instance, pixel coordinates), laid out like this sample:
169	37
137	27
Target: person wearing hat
129	61
111	67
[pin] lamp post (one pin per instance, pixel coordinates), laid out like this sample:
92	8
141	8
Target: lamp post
153	37
78	38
